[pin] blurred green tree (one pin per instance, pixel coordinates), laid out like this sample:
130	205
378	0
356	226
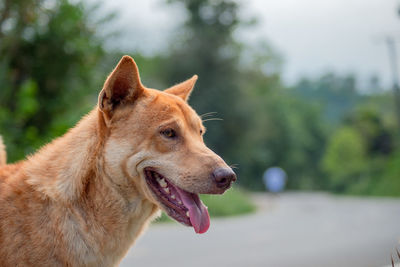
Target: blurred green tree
387	181
376	135
345	159
48	51
337	95
263	124
206	47
284	131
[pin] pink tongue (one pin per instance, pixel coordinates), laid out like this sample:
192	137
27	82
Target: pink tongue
198	212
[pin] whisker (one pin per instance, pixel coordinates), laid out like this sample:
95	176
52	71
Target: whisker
212	113
208	116
213	119
234	166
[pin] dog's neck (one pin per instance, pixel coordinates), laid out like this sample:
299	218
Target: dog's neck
62	168
69	171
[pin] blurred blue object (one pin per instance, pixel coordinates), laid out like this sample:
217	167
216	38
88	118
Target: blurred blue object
274	179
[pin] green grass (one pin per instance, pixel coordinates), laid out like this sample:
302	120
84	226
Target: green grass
234	202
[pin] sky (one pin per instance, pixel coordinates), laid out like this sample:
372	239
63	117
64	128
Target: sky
313	36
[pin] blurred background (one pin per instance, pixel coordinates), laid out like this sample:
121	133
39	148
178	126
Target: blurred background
308	86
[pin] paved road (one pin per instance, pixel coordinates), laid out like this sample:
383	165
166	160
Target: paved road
293	229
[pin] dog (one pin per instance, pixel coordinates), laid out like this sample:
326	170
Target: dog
83	199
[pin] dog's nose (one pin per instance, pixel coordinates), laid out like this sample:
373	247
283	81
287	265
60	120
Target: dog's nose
223	177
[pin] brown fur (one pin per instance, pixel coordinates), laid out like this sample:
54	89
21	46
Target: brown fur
82	200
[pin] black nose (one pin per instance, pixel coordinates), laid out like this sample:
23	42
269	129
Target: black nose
223	177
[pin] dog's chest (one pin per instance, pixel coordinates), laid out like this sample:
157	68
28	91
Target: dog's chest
104	240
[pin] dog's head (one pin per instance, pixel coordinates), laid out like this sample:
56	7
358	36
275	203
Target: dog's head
155	144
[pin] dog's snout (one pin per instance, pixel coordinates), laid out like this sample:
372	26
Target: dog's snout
223	177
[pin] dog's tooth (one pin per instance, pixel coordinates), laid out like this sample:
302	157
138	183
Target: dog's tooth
179	202
173	196
162	182
187	213
166	189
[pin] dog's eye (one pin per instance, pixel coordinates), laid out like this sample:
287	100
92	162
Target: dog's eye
169	133
201	132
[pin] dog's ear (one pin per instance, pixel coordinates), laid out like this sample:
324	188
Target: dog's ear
122	86
183	89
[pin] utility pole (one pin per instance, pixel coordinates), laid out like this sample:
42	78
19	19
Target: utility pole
391	45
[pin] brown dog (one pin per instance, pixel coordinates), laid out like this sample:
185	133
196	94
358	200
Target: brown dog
83	199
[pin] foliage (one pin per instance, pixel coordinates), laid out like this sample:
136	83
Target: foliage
338	95
388	183
47	58
363	139
360	155
206	47
375	133
263	123
345	158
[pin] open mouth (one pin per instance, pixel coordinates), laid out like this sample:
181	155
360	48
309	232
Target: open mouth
183	206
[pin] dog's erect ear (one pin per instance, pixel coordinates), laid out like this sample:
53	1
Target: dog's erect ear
183	89
122	86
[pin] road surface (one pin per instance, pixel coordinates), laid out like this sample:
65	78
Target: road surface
292	229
